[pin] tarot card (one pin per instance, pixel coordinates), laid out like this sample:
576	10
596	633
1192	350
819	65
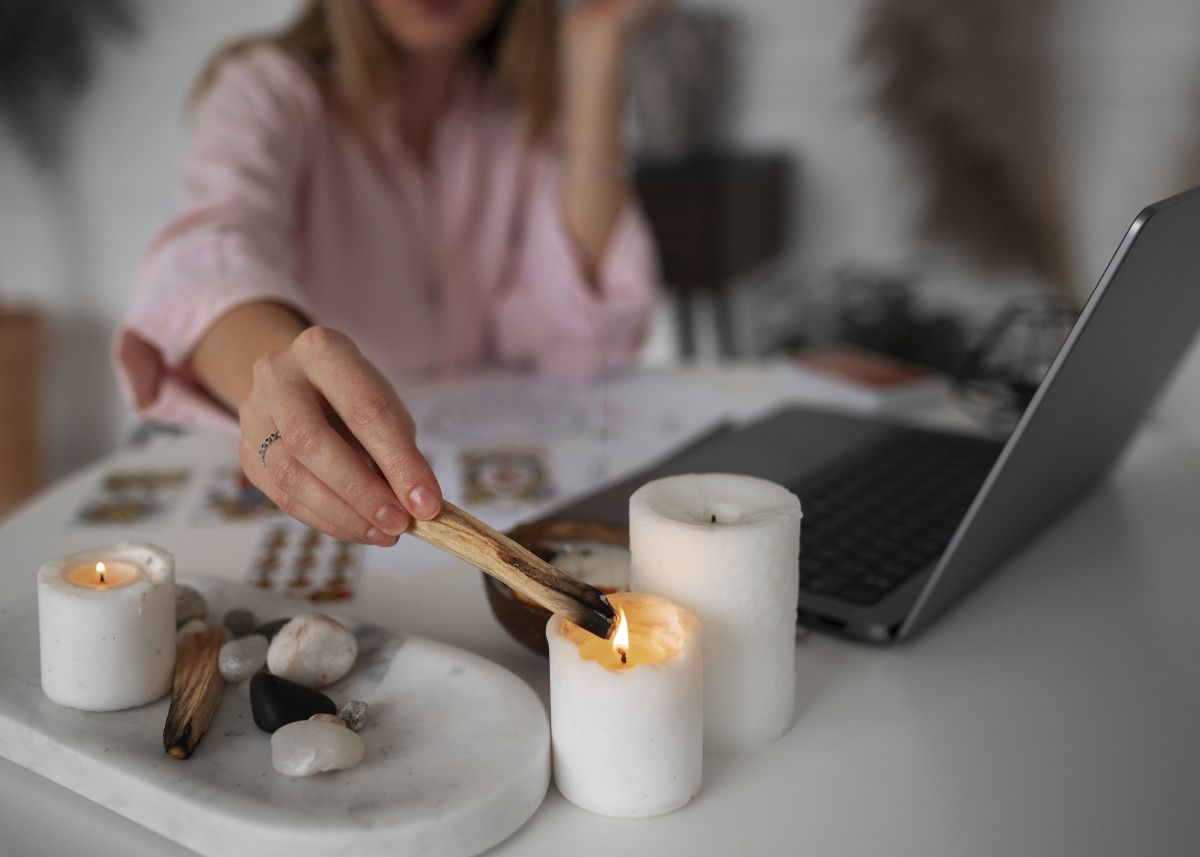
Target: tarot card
133	497
299	562
230	497
506	476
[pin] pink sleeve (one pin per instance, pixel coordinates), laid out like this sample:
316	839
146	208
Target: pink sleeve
231	243
551	317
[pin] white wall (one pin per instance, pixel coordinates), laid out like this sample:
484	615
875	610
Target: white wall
70	242
1130	96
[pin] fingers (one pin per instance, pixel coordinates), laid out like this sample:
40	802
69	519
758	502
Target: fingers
292	506
319	475
372	413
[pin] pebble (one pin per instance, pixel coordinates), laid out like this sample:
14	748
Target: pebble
239	621
354	715
189	604
242	657
191	626
275	701
312	746
312	649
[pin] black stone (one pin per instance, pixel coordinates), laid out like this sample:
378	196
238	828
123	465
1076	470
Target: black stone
270	629
276	701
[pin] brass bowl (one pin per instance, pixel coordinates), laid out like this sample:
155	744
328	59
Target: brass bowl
521	618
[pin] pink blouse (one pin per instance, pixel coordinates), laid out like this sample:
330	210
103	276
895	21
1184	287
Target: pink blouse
428	269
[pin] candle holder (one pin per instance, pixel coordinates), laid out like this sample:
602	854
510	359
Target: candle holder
106	621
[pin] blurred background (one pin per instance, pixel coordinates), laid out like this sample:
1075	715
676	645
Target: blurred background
901	173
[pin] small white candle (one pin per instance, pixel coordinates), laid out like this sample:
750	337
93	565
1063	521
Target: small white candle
727	548
106	622
626	715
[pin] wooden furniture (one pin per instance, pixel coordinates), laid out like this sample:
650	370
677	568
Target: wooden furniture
22	353
715	217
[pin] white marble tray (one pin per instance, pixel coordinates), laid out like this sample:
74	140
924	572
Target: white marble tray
457	752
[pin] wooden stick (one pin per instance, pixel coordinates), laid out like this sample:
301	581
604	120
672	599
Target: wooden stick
195	693
468	538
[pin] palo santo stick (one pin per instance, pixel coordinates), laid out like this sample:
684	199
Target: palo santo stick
196	691
468	538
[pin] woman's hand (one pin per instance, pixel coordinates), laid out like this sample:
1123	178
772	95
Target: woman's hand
601	18
345	461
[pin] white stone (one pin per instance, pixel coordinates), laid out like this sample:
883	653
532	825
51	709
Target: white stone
309	747
312	649
191	626
243	657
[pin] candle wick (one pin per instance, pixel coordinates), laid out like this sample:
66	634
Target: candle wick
102	577
624	657
714	519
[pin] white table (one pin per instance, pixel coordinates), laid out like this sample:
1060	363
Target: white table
1054	711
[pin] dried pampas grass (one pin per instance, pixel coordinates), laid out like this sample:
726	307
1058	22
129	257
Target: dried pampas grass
969	86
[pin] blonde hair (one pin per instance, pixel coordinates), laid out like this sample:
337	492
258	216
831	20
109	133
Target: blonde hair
518	52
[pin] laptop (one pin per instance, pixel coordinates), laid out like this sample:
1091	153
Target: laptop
901	521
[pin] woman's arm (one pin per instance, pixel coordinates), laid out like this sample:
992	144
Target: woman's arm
224	357
594	186
219	320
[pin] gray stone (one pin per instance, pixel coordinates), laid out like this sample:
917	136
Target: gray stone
309	747
243	657
312	649
189	604
354	715
239	621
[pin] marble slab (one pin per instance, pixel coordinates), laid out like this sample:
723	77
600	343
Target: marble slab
457	752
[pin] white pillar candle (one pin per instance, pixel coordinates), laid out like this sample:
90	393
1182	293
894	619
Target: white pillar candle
106	622
626	728
727	548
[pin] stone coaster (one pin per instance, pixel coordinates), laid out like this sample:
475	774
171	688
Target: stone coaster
457	752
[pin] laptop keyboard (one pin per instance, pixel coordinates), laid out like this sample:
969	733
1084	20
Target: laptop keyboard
874	519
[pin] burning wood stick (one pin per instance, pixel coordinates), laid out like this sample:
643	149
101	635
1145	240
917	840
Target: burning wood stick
468	538
195	693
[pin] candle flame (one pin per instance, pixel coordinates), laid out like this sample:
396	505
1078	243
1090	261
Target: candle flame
100	571
620	639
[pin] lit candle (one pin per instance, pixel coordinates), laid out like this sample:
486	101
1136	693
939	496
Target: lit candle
626	728
727	548
106	623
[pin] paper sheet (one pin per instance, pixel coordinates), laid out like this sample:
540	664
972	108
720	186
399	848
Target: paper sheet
547	443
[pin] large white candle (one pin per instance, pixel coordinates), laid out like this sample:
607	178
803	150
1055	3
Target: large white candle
727	548
626	715
106	622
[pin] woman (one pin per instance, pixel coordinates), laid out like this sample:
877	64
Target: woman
389	187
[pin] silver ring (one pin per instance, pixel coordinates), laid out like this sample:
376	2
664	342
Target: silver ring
262	448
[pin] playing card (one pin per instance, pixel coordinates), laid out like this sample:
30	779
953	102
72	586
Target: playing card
133	497
505	476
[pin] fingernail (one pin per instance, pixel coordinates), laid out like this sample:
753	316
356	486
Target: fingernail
377	536
391	519
422	502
